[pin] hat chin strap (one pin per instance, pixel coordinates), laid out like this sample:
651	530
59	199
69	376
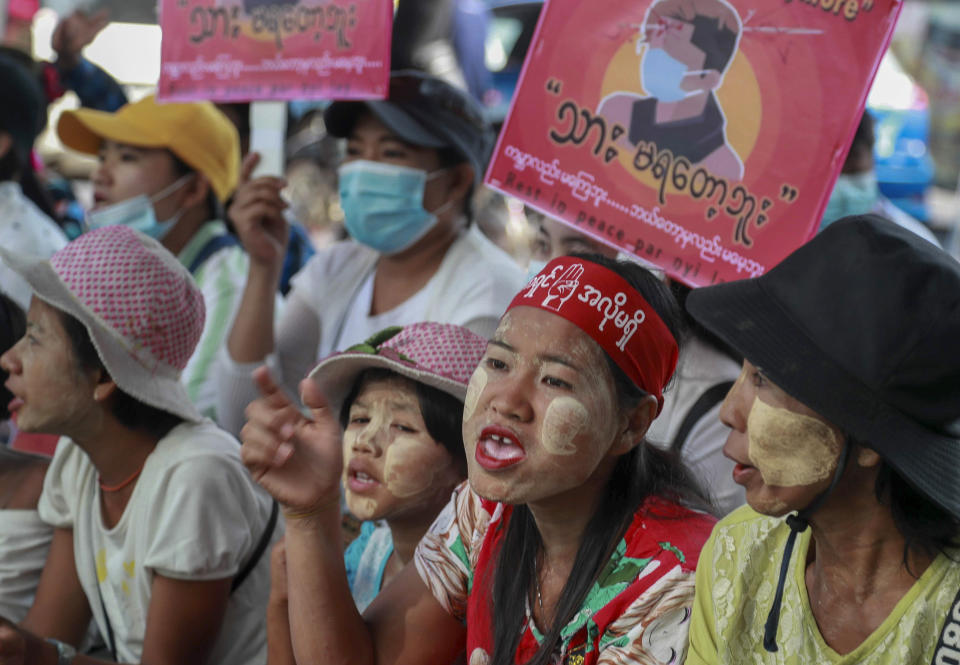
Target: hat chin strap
798	523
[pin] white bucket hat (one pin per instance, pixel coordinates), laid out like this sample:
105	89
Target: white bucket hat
141	307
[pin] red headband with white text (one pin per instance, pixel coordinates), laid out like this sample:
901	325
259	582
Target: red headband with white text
604	305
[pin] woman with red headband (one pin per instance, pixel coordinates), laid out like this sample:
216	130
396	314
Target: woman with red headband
572	542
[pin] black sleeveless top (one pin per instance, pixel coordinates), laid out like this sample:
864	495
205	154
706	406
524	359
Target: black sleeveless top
693	138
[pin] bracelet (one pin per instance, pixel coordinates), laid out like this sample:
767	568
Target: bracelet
289	514
65	652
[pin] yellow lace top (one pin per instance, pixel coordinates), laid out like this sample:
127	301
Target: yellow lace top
736	581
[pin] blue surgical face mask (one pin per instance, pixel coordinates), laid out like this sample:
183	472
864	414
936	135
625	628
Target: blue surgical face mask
383	204
854	194
663	74
138	213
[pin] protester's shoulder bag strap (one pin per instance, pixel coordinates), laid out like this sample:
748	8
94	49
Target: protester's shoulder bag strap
211	247
948	646
709	399
111	642
237	581
258	551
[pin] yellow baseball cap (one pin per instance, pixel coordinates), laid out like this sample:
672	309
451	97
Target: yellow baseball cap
197	132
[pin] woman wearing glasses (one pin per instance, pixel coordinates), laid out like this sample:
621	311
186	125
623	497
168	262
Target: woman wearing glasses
411	165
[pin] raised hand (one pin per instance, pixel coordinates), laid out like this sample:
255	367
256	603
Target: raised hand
257	214
75	32
297	459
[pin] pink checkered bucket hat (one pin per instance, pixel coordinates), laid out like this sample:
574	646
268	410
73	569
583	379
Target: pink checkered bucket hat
441	355
141	307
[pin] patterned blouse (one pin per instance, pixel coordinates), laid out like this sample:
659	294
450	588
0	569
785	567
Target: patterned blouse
636	612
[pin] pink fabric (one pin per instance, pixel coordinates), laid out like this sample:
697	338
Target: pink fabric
438	348
40	444
137	289
23	9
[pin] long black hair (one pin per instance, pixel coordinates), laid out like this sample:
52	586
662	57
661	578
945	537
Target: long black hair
926	527
644	471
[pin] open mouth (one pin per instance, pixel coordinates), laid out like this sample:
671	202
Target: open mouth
14	405
742	473
360	481
498	448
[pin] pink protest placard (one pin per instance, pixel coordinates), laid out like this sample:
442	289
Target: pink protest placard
240	50
703	136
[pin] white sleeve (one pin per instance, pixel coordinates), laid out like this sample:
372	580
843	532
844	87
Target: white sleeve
206	516
296	349
58	500
298	339
484	326
703	454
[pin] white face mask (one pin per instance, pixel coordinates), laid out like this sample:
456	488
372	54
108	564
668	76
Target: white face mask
138	213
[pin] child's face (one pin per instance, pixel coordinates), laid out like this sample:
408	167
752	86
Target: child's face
392	467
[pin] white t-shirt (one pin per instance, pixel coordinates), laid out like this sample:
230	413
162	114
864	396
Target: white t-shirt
195	514
359	325
473	285
24	543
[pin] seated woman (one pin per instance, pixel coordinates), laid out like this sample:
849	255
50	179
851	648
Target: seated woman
412	162
158	528
572	539
845	420
400	399
24	537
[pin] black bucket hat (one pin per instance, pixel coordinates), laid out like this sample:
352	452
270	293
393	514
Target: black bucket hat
861	324
423	111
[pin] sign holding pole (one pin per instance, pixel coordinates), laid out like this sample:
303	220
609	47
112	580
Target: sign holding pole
703	136
241	50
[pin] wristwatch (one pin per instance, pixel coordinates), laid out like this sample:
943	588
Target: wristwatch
65	652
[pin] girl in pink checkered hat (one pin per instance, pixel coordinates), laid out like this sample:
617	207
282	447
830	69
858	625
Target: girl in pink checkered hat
399	397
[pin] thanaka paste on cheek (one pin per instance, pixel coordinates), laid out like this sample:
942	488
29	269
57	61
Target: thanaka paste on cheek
790	449
477	383
564	419
404	469
363	508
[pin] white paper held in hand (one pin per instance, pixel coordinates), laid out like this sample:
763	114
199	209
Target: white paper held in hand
268	126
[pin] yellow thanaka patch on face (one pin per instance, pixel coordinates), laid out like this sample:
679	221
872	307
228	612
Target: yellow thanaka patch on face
791	449
405	473
349	438
474	389
564	419
363	508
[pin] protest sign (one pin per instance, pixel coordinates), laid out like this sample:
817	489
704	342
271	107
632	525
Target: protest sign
239	50
703	136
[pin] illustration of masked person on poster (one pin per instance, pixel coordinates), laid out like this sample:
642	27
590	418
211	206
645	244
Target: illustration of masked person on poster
685	48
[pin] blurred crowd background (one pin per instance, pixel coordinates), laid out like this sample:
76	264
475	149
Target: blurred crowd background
481	44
